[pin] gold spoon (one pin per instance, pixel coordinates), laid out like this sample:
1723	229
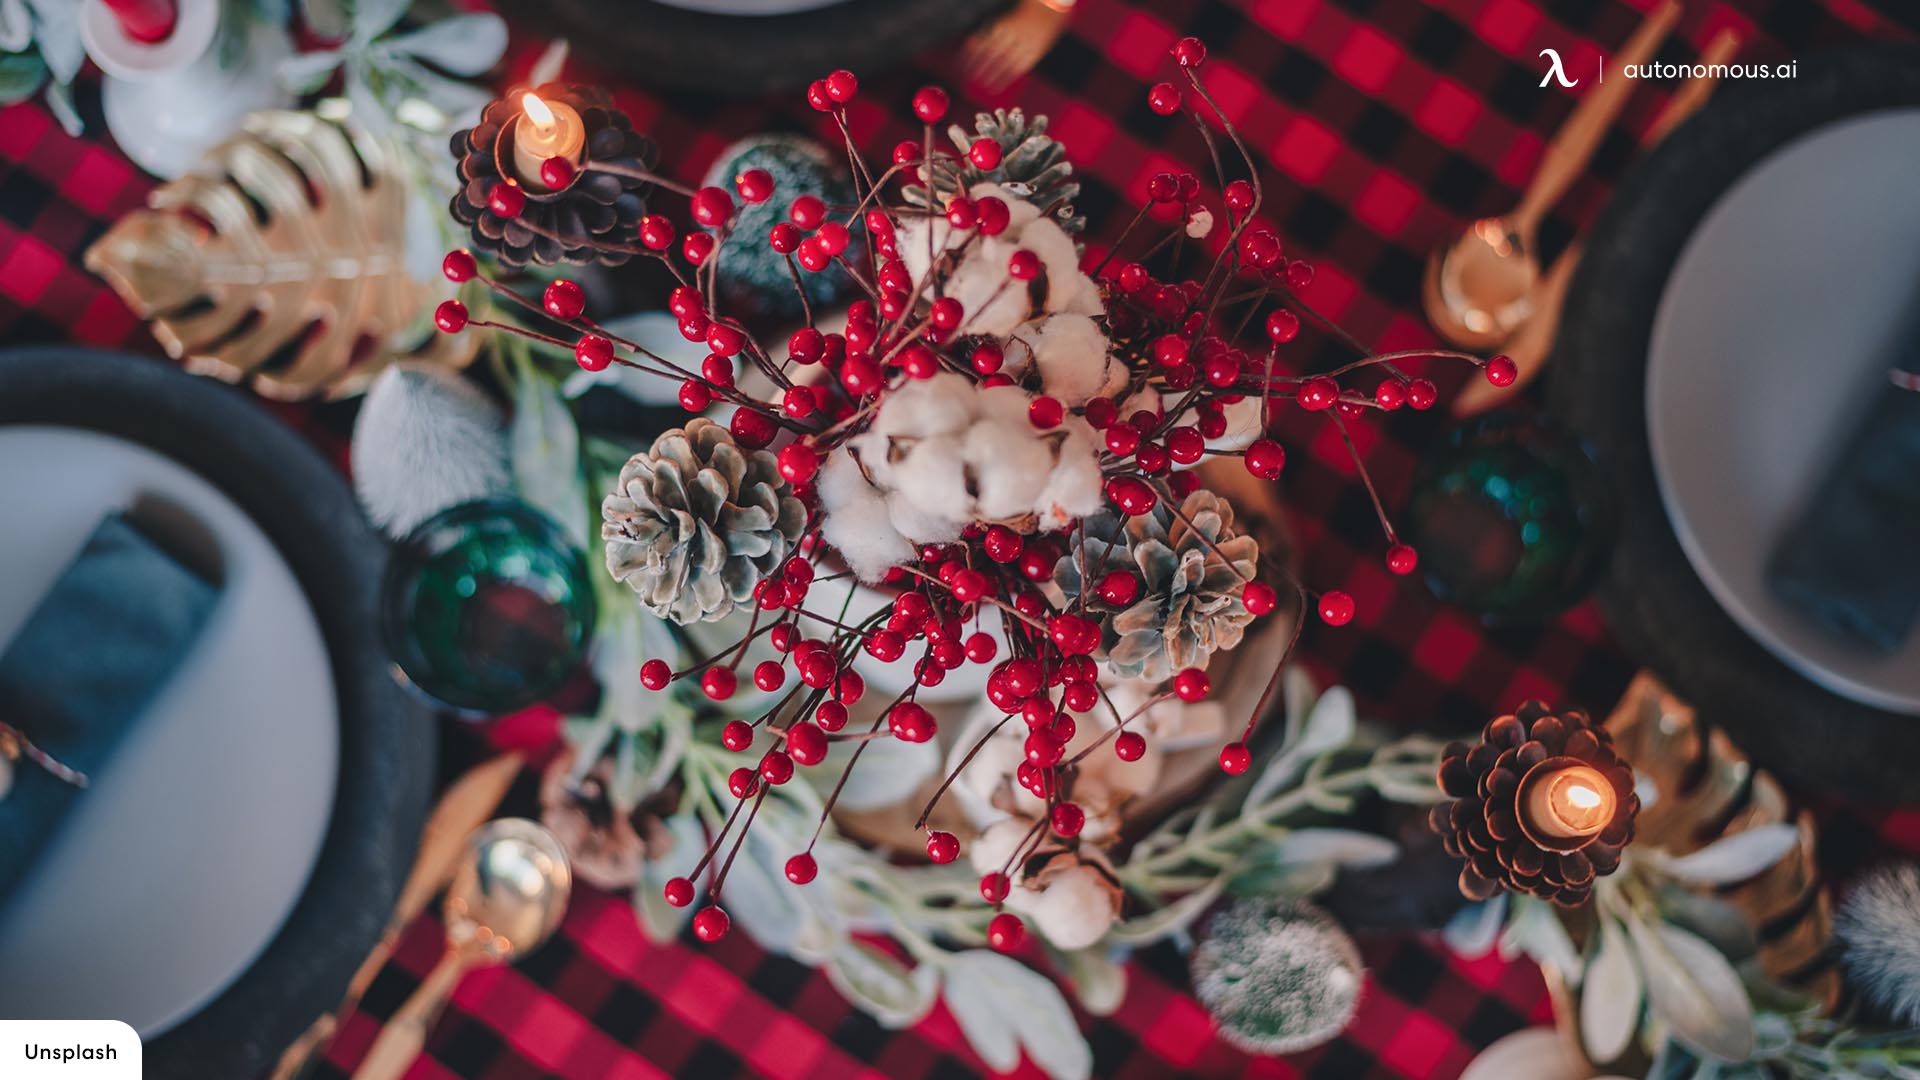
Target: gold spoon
506	900
1479	288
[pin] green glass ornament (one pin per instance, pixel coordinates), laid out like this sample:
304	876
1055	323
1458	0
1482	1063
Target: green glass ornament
487	607
1511	518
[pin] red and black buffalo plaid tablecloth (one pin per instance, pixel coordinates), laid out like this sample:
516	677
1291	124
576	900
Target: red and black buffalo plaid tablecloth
1380	126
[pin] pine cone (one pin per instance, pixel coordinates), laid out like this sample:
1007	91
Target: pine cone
564	226
1188	605
1484	824
696	522
754	279
1032	166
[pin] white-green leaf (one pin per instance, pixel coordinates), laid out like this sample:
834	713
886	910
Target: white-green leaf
1329	725
1610	1000
1337	847
546	456
889	772
547	68
1167	921
661	920
464	44
1736	857
1536	1053
881	986
306	73
1099	979
1694	991
1003	1006
371	18
1536	931
1474	929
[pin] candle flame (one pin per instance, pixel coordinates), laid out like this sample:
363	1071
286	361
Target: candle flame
1583	796
537	111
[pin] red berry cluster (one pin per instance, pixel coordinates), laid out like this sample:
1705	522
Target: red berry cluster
1176	333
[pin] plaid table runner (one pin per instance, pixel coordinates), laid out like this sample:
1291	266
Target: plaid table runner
1380	127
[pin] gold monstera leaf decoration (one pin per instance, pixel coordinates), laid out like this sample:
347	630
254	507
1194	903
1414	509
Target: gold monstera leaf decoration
280	261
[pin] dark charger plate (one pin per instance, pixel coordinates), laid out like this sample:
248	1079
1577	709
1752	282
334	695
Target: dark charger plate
1662	613
387	752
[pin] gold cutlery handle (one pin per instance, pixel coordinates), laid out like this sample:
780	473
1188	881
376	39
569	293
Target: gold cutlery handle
405	1035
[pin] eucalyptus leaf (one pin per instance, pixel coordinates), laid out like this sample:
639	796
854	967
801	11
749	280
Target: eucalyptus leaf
1004	1006
1610	998
661	920
1474	929
1262	876
1099	979
306	73
881	986
1736	857
552	61
890	771
1169	920
1329	725
463	45
56	30
371	18
21	76
1694	991
546	455
1336	847
16	29
1536	931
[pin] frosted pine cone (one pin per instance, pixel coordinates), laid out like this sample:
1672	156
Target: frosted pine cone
1484	826
1187	604
1032	166
1279	976
696	522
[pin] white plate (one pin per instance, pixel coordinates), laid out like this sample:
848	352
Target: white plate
181	862
1773	335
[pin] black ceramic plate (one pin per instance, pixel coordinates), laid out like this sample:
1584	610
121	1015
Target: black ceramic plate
386	740
739	56
1656	604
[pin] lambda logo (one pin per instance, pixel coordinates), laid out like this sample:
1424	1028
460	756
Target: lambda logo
1555	71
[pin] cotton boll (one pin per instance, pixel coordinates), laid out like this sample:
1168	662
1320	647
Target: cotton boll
1075	909
1066	285
1008	466
933	477
1006	404
941	405
1072	489
919	524
1879	925
1072	355
858	523
426	439
1200	223
1145	399
1020	212
995	845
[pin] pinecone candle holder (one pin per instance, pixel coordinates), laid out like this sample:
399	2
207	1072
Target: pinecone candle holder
1542	805
571	211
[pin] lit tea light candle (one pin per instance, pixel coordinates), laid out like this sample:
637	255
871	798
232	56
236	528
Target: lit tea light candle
545	130
1568	802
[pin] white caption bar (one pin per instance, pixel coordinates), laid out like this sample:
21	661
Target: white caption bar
68	1050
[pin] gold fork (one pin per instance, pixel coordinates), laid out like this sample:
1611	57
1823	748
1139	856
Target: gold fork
1010	46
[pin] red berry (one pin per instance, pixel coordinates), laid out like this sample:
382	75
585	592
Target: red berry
833	237
1319	393
842	86
784	237
684	301
768	675
1502	371
798	402
993	214
450	316
1234	759
657	232
961	213
807	743
806	346
942	847
1164	98
1299	274
1390	394
1080	696
1119	588
1239	196
694	396
1163	187
1189	52
1259	598
719	683
1002	544
556	173
1045	412
564	300
886	646
1006	933
754	185
1282	326
1170	350
807	211
1259	248
985	154
1023	676
751	428
655	674
1122	438
993	887
593	352
710	923
776	767
831	716
1132	495
797	462
1265	458
1130	745
1186	445
946	313
911	723
1191	684
459	265
1421	394
1023	265
981	647
679	892
1068	819
801	868
506	199
736	736
743	782
697	246
812	255
930	104
1336	608
711	206
1401	559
